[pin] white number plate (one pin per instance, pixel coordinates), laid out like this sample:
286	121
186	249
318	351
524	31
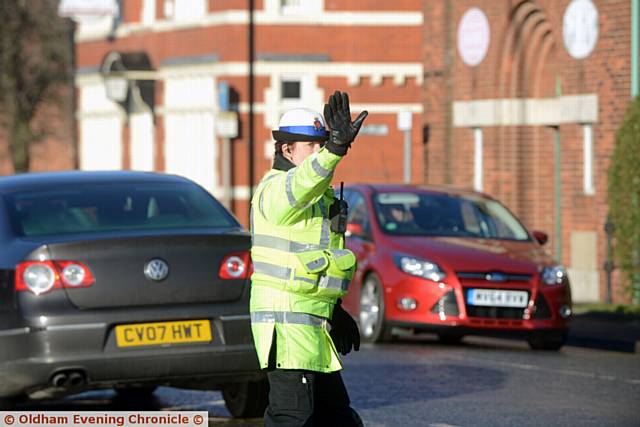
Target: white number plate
497	298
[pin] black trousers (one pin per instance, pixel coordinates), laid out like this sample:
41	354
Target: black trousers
304	398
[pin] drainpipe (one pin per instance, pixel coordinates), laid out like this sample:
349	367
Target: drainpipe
635	48
558	182
449	58
251	88
73	102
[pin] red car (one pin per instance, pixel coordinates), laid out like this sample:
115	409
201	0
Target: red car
453	262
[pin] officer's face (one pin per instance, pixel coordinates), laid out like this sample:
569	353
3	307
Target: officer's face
298	151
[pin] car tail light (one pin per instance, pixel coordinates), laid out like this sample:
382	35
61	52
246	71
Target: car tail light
37	277
74	274
236	265
41	277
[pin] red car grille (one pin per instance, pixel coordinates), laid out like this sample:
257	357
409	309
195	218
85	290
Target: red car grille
447	305
495	316
542	308
493	276
495	322
495	312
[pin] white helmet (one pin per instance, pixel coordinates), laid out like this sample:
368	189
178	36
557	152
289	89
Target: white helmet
301	124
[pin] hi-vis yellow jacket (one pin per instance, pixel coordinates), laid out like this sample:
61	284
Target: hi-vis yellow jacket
300	266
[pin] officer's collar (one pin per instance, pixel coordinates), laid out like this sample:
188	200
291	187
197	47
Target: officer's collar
282	163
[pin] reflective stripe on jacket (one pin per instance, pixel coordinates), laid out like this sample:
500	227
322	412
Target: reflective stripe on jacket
300	266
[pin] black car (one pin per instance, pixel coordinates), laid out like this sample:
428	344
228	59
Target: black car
127	280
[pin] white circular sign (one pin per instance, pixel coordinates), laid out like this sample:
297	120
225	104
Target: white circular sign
580	28
473	36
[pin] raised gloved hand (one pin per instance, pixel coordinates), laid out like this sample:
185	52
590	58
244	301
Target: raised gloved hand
344	331
338	116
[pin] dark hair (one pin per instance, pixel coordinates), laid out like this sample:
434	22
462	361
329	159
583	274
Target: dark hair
278	146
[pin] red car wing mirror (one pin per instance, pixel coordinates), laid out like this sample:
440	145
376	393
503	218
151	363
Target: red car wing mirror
354	229
540	236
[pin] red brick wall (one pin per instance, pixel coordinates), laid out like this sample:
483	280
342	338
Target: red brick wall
131	11
365	92
373	5
525	60
229	42
340	42
224	5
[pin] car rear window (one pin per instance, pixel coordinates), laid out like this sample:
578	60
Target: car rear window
427	214
115	207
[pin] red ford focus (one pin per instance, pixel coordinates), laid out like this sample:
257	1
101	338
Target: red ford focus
452	262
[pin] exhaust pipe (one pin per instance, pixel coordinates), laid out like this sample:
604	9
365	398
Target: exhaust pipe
69	379
76	379
60	380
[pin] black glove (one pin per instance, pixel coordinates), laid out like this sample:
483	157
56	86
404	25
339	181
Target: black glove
344	331
343	130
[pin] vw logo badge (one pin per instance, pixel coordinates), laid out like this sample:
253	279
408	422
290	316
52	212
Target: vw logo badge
156	270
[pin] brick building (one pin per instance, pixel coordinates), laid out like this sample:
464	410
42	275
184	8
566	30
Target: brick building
493	94
519	88
303	50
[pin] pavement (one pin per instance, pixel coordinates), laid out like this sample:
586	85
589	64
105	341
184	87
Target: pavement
605	331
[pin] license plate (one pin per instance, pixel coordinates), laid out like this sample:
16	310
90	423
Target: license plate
497	298
139	334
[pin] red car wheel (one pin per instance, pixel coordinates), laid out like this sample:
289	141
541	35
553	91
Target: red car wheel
372	311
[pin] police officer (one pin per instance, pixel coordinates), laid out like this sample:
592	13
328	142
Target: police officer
301	270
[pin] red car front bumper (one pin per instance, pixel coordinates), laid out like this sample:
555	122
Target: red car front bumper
444	305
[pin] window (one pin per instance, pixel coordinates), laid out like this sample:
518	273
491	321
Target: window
189	128
300	7
148	12
114	207
185	10
358	212
346	195
470	217
587	139
428	214
477	170
100	130
291	89
142	147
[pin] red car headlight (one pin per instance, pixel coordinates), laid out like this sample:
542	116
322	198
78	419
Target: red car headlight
555	275
419	267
